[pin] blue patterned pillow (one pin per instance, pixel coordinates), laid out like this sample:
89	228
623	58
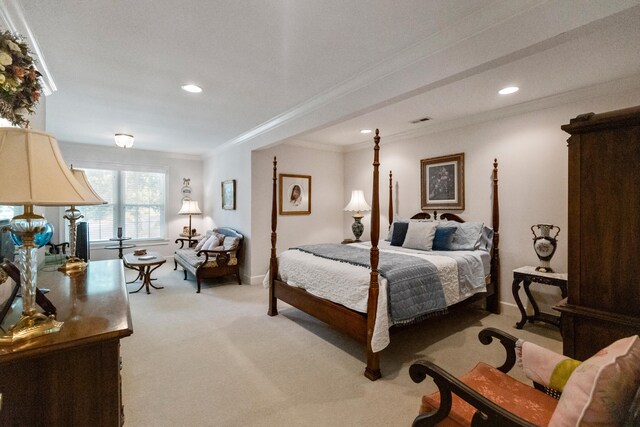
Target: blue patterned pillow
443	238
399	233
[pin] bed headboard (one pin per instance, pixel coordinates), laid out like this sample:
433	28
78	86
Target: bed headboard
444	216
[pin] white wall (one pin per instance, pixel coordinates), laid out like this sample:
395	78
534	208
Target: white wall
232	163
176	167
532	155
328	198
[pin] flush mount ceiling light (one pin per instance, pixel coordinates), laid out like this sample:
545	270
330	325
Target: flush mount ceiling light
123	140
192	88
365	131
508	90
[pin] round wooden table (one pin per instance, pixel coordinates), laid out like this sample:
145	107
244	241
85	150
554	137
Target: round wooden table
145	264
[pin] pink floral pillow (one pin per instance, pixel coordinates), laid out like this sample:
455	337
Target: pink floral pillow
600	390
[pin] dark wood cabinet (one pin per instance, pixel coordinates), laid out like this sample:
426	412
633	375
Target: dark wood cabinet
603	300
71	378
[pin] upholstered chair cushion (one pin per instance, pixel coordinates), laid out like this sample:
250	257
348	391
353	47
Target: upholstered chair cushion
521	399
600	391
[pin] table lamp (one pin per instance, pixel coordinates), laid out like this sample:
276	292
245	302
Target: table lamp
357	204
75	264
190	207
33	172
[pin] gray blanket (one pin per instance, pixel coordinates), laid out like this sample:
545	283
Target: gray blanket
414	288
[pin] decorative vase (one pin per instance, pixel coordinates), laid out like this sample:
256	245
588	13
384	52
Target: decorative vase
545	245
357	227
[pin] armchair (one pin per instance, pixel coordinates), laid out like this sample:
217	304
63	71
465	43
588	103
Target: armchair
487	396
206	262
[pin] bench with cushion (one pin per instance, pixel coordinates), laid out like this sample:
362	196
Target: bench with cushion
216	255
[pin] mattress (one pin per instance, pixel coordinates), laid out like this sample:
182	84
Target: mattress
462	274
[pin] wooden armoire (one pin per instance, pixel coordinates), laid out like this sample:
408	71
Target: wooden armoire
603	299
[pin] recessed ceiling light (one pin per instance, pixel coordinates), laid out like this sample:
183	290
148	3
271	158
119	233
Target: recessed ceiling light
365	131
508	90
192	88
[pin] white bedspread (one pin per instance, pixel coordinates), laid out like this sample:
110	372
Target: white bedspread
348	284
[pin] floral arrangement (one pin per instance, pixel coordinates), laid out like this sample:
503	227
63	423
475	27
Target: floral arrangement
20	86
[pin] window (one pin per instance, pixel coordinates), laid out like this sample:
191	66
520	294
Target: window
135	202
8	212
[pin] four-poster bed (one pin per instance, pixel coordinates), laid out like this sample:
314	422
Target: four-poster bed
360	324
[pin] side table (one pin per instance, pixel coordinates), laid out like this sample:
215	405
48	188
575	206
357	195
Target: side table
120	246
190	240
528	275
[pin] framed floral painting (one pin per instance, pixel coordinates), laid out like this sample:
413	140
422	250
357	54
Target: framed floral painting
442	182
229	194
295	194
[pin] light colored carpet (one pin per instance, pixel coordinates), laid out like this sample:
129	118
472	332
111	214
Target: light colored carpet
217	359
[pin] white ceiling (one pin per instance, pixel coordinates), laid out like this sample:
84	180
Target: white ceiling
315	71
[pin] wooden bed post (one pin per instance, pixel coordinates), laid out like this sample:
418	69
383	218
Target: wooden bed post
493	302
372	371
390	198
273	262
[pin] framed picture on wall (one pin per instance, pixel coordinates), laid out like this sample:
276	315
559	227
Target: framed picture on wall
229	194
442	182
295	194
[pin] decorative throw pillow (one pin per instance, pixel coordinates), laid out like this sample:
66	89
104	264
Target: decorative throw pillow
399	232
390	234
443	237
466	237
544	366
211	243
486	239
231	243
202	242
420	235
601	389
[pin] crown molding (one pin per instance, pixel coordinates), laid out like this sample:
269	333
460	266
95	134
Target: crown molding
622	85
12	17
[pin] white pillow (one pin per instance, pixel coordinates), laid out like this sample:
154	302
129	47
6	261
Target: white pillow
212	242
202	242
420	235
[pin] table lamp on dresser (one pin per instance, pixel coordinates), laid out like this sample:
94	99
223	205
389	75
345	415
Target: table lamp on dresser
75	264
32	173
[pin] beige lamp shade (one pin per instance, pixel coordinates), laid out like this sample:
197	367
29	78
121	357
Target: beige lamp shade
357	202
81	177
189	207
33	171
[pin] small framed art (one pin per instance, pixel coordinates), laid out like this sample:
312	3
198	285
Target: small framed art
442	182
295	194
229	194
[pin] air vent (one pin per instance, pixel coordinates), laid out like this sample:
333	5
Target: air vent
424	119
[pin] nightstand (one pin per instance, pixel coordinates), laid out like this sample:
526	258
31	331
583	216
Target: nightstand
347	241
528	275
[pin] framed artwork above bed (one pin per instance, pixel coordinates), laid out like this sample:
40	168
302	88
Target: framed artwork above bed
295	194
442	182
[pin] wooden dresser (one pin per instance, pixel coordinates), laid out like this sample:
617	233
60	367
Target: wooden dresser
71	378
603	300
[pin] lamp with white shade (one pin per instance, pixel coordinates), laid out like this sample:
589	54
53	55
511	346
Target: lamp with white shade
33	173
75	264
189	207
357	204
